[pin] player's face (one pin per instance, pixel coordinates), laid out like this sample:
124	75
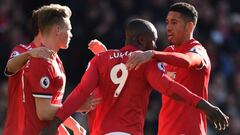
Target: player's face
176	28
65	34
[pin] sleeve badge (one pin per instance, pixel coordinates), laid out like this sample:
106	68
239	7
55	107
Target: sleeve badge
45	82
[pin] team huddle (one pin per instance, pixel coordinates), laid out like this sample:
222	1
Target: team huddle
115	94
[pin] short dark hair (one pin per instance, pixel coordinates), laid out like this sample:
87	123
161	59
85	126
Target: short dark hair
138	26
187	10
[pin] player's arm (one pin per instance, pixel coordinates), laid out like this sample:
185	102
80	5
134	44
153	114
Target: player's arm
90	104
188	60
45	84
76	98
165	85
45	109
17	62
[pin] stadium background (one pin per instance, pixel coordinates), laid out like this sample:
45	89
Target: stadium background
218	29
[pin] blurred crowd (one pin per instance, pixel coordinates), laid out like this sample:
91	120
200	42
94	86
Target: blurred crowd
218	29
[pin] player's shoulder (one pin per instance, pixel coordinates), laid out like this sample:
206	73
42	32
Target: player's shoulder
38	65
40	62
196	43
196	46
169	48
23	47
18	49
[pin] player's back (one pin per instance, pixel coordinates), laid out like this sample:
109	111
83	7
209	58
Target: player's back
125	94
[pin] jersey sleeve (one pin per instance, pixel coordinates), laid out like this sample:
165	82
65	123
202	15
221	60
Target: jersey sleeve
17	50
42	78
165	85
202	53
80	93
168	49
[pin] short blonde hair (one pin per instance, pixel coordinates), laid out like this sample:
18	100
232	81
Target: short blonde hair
49	15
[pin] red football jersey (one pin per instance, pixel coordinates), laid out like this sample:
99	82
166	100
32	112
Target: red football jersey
125	93
175	117
42	79
15	115
92	113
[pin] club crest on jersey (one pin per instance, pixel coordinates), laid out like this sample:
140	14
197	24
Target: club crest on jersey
45	82
161	66
14	54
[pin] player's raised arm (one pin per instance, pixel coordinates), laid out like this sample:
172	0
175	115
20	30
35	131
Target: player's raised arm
17	62
190	59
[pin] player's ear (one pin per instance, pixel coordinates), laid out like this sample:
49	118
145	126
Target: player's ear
57	29
141	40
190	26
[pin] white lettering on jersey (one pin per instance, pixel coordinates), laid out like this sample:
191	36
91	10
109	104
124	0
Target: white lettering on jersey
119	80
118	55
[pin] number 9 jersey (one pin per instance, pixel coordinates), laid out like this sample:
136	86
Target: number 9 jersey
125	93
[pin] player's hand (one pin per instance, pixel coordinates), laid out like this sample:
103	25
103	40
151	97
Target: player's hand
75	126
90	104
137	58
214	114
41	52
96	46
52	128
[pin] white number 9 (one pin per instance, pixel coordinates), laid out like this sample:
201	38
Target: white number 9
119	80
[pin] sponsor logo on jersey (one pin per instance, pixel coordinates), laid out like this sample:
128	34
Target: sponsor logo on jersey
172	74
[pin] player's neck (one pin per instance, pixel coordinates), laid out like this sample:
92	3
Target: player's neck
37	40
134	44
185	39
50	43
